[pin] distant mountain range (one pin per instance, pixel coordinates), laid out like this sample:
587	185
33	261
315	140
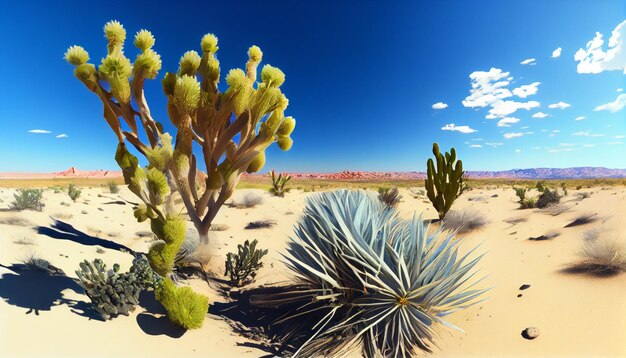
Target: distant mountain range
532	173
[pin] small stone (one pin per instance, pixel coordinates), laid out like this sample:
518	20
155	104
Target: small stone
494	196
519	295
524	286
530	333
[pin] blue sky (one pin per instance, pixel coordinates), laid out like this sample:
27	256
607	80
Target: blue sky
362	79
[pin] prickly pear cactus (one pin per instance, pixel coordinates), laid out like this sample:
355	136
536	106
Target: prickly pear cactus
443	182
113	293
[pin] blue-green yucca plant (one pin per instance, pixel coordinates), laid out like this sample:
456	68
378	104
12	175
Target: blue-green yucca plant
379	282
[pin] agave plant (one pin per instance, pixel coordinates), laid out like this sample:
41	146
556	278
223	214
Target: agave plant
370	280
278	183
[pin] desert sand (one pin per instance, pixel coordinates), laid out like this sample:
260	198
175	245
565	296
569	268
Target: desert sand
577	315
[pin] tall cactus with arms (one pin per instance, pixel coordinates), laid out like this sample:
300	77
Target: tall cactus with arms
249	110
443	182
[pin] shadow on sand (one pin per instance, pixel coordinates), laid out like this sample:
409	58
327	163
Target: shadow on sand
259	322
39	290
64	231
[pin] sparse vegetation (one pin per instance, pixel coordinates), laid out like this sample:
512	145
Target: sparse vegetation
540	186
113	187
278	183
528	203
248	200
241	267
28	199
556	209
73	192
463	221
583	195
389	196
260	224
600	257
33	262
548	197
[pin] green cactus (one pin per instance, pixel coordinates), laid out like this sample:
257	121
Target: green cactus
241	267
184	307
113	293
443	183
278	183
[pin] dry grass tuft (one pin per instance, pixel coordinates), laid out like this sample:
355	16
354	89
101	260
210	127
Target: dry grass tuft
15	221
248	200
556	209
261	224
516	220
219	227
465	220
600	258
24	241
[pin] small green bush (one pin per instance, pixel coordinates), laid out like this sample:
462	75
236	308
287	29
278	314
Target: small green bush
548	197
540	186
73	192
528	203
241	267
113	188
184	307
520	193
28	199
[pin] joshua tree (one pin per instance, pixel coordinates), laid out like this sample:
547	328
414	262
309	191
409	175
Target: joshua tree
250	110
443	182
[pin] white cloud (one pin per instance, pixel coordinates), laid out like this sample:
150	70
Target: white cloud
518	150
594	59
440	105
618	104
540	115
619	136
493	145
461	129
580	118
512	135
486	88
589	145
557	53
507	121
586	134
568	149
526	90
529	61
615	143
566	144
620	90
39	131
560	105
62	135
476	146
505	108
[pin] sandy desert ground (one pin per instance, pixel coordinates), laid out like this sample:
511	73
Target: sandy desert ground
41	316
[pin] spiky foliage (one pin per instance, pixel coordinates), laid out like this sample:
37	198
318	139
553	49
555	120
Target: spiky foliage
113	187
248	111
278	183
73	192
466	220
605	256
443	182
389	196
520	193
184	307
548	197
242	266
28	199
111	292
367	278
540	186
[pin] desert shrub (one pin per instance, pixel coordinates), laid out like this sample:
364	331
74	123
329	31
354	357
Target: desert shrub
28	199
600	257
73	192
184	307
540	186
248	200
241	267
389	196
520	193
548	197
583	195
113	187
465	220
528	203
33	262
417	193
564	188
113	293
443	182
278	183
370	277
